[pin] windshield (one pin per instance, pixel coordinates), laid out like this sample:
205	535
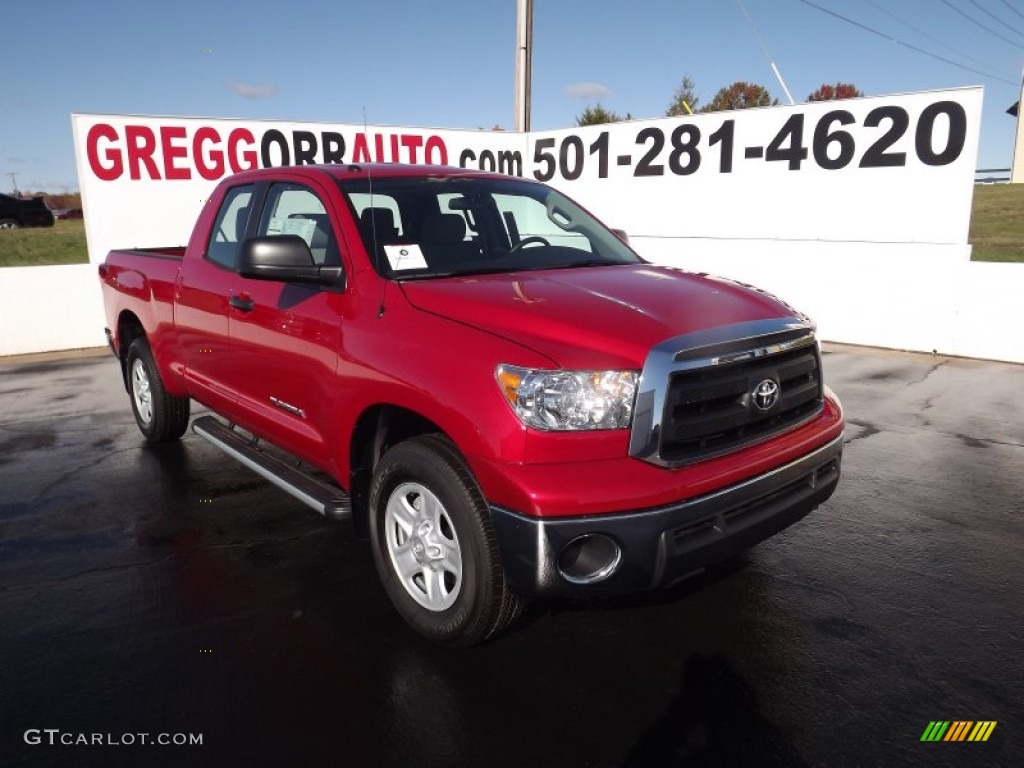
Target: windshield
424	227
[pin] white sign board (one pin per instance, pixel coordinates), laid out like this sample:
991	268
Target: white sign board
892	169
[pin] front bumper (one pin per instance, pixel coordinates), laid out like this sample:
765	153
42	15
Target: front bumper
663	545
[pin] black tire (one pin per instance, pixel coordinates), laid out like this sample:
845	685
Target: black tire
161	417
471	607
10	224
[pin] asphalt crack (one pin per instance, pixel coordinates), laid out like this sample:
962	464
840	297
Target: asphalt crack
927	374
870	430
71	472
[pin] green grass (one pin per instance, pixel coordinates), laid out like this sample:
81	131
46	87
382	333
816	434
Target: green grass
63	243
997	223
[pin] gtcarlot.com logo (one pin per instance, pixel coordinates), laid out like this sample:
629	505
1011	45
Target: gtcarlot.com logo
57	737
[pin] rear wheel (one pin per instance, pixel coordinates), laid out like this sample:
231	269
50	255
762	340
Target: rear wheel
9	224
434	545
161	417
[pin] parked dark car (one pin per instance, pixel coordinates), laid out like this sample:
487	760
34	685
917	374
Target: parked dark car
16	212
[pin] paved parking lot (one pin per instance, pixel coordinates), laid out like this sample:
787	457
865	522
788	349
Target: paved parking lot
170	591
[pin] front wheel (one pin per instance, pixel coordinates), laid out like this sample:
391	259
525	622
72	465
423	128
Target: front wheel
9	224
434	545
161	417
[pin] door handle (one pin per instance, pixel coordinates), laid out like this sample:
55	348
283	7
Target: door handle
244	304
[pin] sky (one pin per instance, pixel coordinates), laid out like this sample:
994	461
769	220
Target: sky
450	63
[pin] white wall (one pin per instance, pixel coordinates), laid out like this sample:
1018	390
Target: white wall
920	297
44	309
901	296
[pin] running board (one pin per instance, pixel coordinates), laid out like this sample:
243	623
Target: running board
329	500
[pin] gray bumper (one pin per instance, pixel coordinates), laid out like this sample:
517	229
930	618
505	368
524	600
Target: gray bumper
663	545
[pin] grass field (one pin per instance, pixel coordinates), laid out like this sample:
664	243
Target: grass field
63	243
997	233
997	223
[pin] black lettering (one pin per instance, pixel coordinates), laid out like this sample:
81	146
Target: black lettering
467	157
487	161
542	154
510	162
274	137
724	135
824	137
647	166
685	139
876	155
305	147
334	147
571	170
924	140
792	131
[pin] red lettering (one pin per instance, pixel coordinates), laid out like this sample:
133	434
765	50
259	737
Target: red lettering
378	142
215	170
361	152
172	152
248	157
395	158
435	145
112	154
140	146
412	143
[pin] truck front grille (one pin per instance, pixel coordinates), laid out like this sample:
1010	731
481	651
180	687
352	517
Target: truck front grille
711	392
710	411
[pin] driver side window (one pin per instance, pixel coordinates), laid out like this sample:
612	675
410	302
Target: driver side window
292	209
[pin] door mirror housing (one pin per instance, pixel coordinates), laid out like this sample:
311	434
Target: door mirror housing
285	258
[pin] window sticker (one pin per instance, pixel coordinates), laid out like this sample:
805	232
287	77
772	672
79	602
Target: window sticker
402	257
302	227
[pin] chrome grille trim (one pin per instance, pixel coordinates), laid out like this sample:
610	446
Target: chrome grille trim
719	346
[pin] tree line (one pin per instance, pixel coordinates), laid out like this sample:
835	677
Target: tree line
739	95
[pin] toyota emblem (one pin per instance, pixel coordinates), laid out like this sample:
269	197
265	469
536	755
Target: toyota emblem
766	395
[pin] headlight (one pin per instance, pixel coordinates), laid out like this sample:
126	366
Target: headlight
569	400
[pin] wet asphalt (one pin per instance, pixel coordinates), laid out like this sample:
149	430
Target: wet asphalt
169	590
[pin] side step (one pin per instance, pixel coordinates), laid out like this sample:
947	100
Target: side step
329	500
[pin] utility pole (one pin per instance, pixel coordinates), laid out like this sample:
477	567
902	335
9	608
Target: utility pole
524	62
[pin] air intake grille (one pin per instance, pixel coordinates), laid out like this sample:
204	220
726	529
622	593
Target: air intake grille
713	410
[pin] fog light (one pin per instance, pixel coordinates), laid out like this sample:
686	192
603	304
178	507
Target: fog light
589	558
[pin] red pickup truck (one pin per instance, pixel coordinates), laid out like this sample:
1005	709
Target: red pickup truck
499	391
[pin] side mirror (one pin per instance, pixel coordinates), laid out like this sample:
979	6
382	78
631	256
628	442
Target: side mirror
285	258
621	234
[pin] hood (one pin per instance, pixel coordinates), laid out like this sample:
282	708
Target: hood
593	317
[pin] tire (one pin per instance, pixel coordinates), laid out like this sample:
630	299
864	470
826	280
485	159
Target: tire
434	544
10	224
161	417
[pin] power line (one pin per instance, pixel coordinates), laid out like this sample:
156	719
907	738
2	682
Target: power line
922	51
987	12
924	34
978	23
1012	8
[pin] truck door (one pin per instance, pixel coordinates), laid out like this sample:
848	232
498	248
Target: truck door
285	337
201	303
